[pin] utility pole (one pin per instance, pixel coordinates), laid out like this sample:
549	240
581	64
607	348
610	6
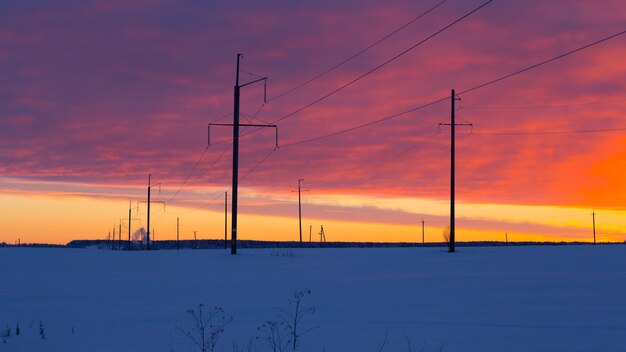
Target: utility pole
226	220
195	240
148	225
322	235
177	232
130	204
300	205
310	230
422	230
452	125
594	226
148	228
236	125
119	237
113	239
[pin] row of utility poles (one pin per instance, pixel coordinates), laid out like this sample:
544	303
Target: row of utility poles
235	171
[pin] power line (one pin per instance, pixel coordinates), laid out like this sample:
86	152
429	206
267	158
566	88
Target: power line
257	164
383	64
542	63
358	53
365	124
308	140
189	174
212	164
478	107
522	133
198	208
222	117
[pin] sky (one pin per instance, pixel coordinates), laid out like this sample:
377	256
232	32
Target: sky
97	95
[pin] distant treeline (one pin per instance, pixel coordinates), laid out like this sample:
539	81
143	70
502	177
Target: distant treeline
42	245
219	244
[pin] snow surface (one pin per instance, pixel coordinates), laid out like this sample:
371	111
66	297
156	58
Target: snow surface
557	298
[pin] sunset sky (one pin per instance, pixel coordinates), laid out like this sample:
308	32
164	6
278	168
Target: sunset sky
96	95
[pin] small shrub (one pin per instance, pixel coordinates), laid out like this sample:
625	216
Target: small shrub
206	330
42	332
286	330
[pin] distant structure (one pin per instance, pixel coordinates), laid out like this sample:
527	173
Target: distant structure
300	190
594	226
322	235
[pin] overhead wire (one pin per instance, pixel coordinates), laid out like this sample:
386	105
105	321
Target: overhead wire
539	64
189	174
482	85
525	133
256	166
185	182
373	122
383	64
362	51
549	106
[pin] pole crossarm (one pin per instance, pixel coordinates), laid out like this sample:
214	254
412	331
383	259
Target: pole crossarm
242	124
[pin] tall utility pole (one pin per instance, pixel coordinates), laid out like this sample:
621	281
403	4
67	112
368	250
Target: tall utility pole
113	238
422	230
130	204
310	230
148	225
177	232
594	226
226	220
452	183
195	240
119	237
452	125
235	182
300	190
236	125
148	228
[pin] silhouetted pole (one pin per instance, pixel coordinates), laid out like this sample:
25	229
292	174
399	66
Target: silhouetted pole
113	238
119	236
506	237
452	125
233	248
594	226
177	233
452	208
148	227
236	124
422	231
300	208
310	230
130	204
226	220
195	240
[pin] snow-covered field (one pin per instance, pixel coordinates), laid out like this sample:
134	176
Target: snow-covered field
561	298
